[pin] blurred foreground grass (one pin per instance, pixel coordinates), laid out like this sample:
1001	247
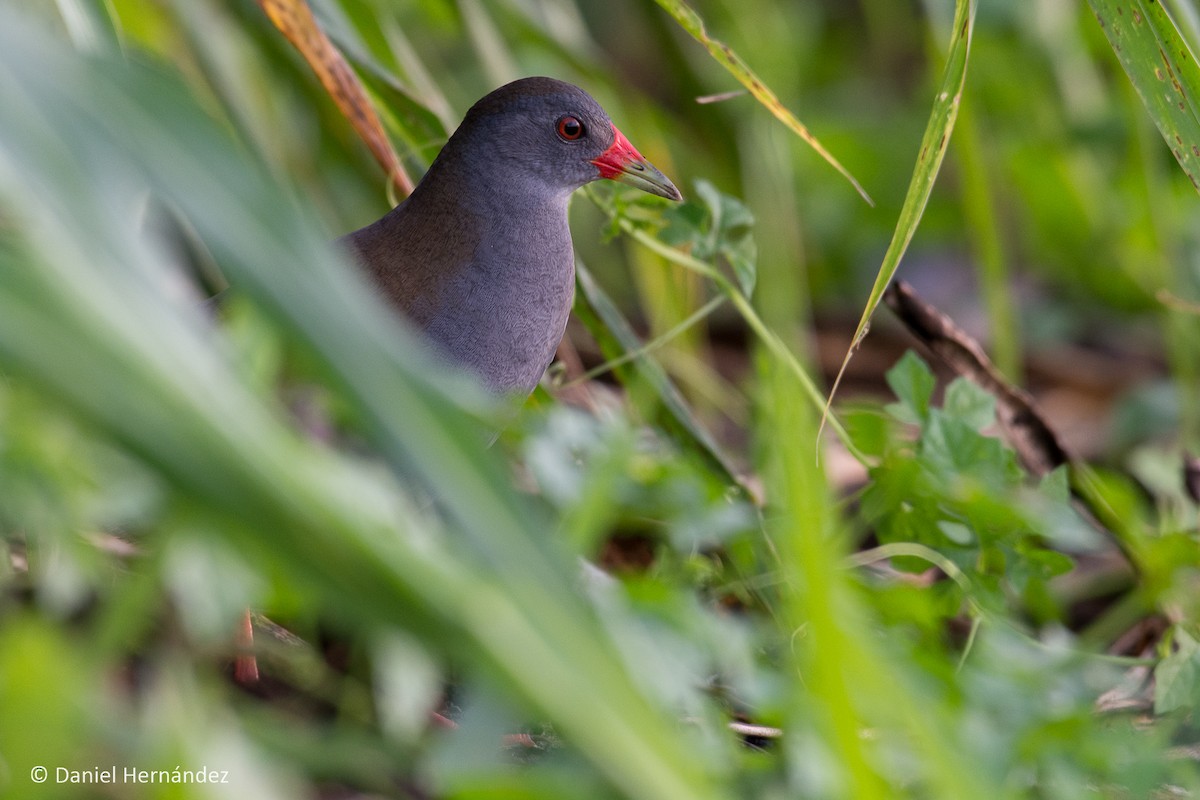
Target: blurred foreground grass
938	624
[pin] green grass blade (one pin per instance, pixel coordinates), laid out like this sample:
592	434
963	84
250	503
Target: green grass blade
980	212
724	55
851	683
1162	69
92	319
929	163
770	340
612	325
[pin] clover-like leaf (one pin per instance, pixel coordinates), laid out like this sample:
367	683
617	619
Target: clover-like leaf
716	225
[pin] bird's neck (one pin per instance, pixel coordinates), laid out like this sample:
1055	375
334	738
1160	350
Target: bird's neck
512	216
492	187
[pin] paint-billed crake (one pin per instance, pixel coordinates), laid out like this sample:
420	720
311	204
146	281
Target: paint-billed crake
479	257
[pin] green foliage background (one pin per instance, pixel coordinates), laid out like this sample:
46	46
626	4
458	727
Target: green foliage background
164	466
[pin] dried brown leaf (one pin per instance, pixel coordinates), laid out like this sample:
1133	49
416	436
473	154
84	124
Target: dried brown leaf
296	22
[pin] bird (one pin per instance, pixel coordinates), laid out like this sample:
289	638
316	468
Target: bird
479	257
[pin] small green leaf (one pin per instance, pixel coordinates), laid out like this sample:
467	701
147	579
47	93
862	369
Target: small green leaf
1177	677
1057	484
870	430
954	450
957	532
913	383
713	205
1050	562
685	225
970	404
716	225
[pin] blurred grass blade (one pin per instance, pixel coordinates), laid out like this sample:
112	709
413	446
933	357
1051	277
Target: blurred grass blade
981	213
774	344
1187	21
852	681
691	22
616	337
90	24
492	51
816	598
87	310
295	20
929	163
1163	70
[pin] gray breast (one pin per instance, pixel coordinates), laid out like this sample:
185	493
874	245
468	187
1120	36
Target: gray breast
503	314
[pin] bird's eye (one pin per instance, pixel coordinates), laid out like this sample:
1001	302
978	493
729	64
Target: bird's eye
570	128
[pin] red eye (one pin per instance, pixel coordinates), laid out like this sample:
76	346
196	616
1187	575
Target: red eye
570	128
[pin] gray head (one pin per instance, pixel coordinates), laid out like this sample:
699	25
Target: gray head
554	134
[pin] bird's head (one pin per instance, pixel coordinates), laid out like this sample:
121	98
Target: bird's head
552	133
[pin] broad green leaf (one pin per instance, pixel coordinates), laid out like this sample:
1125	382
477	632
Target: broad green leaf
955	450
1057	484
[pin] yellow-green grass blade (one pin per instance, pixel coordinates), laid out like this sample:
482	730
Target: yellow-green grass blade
724	55
929	163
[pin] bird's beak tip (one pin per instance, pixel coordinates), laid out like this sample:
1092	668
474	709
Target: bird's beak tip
622	162
645	176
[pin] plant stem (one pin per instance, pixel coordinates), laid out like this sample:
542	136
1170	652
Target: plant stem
768	337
